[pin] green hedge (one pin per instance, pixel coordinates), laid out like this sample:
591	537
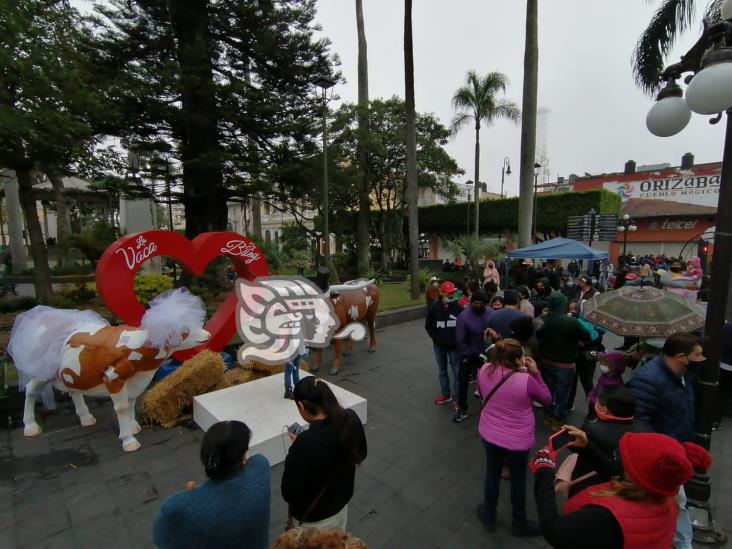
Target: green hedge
496	215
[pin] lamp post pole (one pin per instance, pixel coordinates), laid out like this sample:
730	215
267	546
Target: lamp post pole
505	170
625	225
469	205
709	92
325	84
536	189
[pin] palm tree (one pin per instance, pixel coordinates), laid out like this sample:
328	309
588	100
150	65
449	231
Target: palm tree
364	201
473	248
528	124
412	210
672	18
478	104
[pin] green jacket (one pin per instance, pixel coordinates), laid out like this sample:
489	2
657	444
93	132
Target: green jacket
560	336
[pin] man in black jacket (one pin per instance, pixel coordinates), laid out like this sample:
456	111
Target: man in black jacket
440	325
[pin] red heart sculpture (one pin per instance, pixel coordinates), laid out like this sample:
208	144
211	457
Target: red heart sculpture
120	262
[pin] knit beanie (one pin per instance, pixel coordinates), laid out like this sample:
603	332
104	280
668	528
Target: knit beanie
657	463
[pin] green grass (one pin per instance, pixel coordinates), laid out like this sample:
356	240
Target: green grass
395	296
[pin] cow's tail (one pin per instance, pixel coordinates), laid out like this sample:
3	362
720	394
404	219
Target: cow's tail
39	335
354	331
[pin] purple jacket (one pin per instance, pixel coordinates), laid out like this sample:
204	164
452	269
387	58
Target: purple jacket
508	418
470	330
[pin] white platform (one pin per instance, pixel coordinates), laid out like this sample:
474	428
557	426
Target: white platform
260	404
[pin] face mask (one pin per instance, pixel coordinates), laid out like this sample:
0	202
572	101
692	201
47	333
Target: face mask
446	299
695	363
604	369
478	309
675	269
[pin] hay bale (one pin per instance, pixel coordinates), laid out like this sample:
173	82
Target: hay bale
165	402
262	368
237	376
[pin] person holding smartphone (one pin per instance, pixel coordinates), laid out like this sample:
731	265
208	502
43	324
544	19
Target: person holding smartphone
508	385
320	467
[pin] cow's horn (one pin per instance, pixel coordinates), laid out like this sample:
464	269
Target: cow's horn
350	285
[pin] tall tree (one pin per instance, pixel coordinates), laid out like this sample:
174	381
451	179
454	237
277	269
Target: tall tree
48	104
528	123
387	160
225	68
671	19
364	200
412	210
477	103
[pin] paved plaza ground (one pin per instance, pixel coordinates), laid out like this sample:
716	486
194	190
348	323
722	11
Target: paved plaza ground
418	488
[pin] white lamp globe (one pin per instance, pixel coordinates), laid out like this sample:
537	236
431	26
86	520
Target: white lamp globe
727	9
710	91
668	116
621	229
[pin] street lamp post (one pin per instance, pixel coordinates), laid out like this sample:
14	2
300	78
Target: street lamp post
626	225
505	170
709	92
536	190
469	206
325	84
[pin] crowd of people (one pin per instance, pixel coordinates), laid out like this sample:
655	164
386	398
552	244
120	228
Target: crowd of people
619	482
529	346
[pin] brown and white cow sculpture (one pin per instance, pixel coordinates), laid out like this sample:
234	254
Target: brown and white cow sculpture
354	301
80	353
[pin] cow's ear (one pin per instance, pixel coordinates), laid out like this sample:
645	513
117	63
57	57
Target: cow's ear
253	296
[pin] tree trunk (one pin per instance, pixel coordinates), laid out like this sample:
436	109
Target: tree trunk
41	271
528	124
364	201
384	241
477	178
412	209
204	196
15	225
2	224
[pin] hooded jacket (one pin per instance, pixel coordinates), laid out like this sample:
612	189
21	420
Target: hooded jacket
441	323
560	335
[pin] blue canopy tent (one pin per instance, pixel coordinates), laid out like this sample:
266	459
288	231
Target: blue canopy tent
561	248
557	248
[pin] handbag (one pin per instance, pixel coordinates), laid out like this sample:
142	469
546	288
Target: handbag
314	503
493	391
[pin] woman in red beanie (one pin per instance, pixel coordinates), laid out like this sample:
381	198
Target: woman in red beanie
637	512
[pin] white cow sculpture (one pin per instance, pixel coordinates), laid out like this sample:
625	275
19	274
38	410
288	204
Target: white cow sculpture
80	353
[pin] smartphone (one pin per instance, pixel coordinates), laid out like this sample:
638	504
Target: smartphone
296	428
559	440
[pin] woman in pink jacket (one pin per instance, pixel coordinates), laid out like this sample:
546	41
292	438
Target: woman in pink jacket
508	386
491	273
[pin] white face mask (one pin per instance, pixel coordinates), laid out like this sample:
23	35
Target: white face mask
604	369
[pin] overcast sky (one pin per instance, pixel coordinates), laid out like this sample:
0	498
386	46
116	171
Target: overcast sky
597	118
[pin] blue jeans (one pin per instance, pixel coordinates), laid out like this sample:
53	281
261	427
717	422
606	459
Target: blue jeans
443	355
517	462
559	381
292	372
684	532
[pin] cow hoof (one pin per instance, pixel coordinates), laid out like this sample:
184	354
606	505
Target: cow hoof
131	445
372	349
334	371
32	430
88	421
313	368
135	427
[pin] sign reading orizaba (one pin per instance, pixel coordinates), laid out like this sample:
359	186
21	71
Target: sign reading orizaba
702	190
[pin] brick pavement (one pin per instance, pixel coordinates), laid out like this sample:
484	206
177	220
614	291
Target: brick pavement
418	488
